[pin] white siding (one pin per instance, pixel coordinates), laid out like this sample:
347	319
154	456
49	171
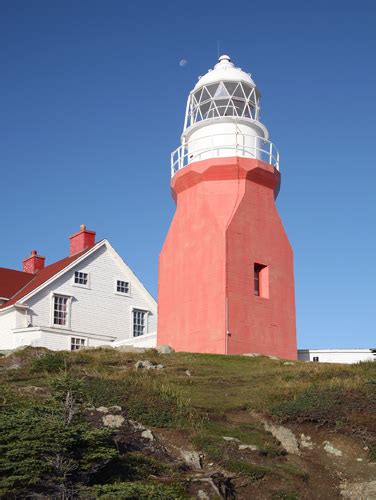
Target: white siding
96	309
53	339
7	323
347	356
27	336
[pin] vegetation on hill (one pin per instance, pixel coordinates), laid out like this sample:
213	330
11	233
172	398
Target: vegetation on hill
87	424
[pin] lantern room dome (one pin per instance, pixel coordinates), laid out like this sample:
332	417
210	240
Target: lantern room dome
222	119
224	70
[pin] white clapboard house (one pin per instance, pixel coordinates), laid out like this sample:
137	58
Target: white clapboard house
89	298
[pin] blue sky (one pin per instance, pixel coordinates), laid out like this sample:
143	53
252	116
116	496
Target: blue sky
92	102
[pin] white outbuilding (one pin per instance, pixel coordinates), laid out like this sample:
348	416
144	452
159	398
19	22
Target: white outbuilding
347	356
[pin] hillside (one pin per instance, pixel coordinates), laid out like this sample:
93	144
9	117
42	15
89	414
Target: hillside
101	424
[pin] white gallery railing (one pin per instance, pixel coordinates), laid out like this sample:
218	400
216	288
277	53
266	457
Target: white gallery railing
244	145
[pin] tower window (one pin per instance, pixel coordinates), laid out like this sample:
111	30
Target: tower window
315	359
261	280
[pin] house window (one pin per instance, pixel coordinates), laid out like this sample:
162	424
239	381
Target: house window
77	343
123	287
261	280
81	278
315	359
60	310
139	322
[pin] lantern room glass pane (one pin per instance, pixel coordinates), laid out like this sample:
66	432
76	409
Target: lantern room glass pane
221	92
239	92
231	86
212	89
223	99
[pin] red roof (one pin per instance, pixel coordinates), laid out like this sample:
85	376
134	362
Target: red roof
21	284
11	281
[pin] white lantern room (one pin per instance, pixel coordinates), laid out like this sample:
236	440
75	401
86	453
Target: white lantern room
222	119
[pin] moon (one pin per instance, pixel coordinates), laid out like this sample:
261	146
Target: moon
183	62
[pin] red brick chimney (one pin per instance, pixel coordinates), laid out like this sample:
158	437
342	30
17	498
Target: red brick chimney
34	263
81	240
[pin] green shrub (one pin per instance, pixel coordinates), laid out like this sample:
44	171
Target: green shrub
51	362
325	405
50	447
133	466
136	491
103	392
372	452
152	411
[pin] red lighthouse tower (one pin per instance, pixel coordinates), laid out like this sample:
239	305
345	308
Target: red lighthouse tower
226	277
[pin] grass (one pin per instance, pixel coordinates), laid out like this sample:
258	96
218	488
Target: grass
285	495
255	472
207	405
335	395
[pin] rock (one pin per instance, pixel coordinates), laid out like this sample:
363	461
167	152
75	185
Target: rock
202	495
359	491
13	366
129	348
147	365
114	409
273	357
359	459
113	421
285	436
329	448
192	458
288	363
188	373
147	434
306	441
252	354
216	486
102	346
137	426
102	409
250	447
165	349
36	389
228	438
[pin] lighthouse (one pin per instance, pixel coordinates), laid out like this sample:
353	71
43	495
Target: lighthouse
226	275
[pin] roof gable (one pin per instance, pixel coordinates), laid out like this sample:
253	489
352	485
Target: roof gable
42	277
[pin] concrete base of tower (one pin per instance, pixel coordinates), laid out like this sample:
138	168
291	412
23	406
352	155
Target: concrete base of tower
226	278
